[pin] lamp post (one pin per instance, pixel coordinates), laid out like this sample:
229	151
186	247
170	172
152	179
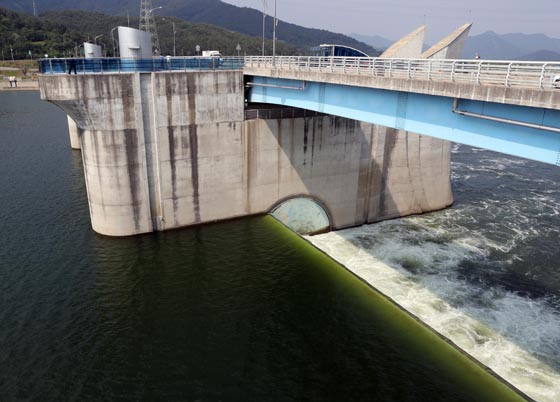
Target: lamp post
95	39
238	48
12	51
113	42
264	20
148	16
274	37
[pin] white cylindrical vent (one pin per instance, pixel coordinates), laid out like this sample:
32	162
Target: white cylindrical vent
92	51
135	44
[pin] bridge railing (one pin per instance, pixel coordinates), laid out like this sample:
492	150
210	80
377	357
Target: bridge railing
110	65
536	75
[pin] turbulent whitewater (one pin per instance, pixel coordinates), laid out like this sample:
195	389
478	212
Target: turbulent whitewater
484	273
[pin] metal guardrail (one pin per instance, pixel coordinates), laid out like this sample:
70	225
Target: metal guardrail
535	75
111	65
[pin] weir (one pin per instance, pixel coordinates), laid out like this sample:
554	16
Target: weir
172	149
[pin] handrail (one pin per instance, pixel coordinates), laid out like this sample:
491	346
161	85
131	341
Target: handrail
111	65
507	73
522	74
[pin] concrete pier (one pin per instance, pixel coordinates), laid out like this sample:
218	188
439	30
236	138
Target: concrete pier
75	133
167	150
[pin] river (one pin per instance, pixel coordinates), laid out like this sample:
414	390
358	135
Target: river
246	310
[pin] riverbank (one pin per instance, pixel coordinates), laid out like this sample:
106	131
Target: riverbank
24	85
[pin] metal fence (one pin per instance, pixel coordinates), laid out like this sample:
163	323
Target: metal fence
285	113
108	65
536	75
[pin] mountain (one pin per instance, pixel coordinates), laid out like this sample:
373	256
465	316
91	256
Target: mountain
541	55
60	33
378	42
215	12
514	46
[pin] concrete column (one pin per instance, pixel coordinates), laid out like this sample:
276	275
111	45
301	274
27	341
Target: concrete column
75	133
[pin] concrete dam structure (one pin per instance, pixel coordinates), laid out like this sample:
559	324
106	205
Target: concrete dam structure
164	150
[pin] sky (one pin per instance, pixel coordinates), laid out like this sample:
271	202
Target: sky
393	19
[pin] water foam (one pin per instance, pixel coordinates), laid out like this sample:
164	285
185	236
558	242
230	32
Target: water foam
421	266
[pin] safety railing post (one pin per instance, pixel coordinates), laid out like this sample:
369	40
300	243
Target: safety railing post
408	72
453	71
430	70
478	71
541	80
391	68
508	74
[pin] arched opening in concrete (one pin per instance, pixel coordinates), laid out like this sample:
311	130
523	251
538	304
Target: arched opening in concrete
303	214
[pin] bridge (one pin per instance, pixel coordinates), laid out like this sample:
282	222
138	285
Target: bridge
504	106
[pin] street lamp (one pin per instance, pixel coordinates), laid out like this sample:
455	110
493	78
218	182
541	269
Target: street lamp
148	17
238	48
264	20
113	42
12	51
95	39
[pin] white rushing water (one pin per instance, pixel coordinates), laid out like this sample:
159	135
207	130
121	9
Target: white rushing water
417	265
484	273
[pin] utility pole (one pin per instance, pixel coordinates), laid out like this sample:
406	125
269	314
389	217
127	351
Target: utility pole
174	33
147	22
264	20
274	36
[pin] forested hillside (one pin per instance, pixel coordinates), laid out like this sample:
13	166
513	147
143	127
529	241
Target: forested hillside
60	33
240	19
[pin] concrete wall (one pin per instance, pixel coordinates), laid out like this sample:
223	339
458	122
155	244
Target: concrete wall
148	149
409	46
168	150
451	46
360	172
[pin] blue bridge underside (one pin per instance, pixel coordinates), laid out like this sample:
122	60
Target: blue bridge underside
424	114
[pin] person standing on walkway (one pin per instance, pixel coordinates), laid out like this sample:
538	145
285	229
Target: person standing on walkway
72	66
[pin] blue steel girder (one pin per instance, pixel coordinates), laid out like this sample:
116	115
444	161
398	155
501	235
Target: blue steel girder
424	114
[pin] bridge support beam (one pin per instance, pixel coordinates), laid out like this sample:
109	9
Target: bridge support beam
425	114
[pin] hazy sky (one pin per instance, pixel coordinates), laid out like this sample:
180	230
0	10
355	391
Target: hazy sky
395	18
